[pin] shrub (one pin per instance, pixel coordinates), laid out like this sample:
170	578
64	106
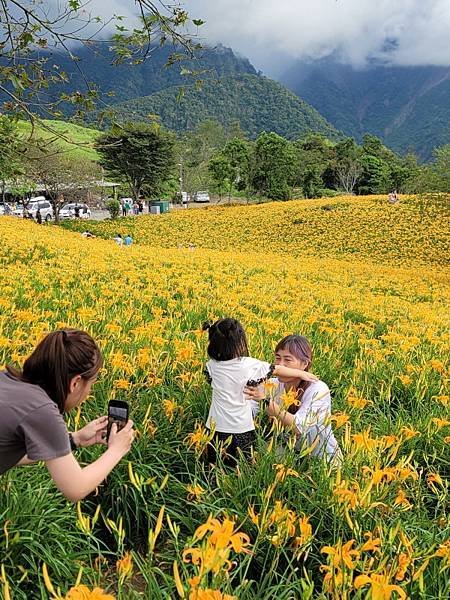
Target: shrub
113	207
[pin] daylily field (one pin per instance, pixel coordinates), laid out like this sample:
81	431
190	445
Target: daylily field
366	282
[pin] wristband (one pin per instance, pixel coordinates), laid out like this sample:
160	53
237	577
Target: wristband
73	446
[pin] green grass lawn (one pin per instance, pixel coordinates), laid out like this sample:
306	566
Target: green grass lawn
74	139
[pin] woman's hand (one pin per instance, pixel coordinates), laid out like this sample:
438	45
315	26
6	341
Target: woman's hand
307	376
284	417
76	482
120	441
93	433
254	393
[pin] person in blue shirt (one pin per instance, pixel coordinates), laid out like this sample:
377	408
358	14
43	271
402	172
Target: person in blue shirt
128	240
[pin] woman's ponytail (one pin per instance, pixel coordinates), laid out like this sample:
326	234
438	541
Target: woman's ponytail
60	356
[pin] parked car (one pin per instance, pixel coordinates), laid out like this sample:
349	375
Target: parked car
201	197
69	211
185	198
34	204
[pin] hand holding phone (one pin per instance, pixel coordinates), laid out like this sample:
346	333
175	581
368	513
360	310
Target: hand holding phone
118	414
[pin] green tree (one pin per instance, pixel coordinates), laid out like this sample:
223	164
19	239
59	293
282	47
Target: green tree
441	168
195	149
113	207
347	164
314	158
30	30
140	155
238	152
222	174
11	153
404	172
375	177
274	167
373	146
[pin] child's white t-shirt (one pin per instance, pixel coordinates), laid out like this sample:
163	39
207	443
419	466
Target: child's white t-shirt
230	411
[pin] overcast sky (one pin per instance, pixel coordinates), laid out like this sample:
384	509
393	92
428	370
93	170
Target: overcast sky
402	32
272	33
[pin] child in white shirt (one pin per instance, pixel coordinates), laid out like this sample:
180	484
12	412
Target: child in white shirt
229	371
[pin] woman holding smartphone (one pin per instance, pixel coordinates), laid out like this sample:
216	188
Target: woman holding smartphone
56	378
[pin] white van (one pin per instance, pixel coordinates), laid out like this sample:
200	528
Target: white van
201	197
34	204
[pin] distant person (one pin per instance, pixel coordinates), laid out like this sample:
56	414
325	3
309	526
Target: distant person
38	217
118	239
128	240
77	211
124	210
141	207
393	197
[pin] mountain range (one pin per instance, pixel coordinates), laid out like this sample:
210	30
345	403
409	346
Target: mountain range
258	103
217	84
407	107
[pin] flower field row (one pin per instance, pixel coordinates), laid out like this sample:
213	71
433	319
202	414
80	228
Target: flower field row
284	526
364	228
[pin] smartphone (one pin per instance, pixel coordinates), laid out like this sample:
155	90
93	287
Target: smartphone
117	413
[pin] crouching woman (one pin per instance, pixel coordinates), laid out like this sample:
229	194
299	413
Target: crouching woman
309	412
56	378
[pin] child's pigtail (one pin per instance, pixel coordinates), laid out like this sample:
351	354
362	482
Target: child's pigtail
206	325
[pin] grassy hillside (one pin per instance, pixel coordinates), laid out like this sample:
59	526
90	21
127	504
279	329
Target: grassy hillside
380	338
75	140
258	103
362	228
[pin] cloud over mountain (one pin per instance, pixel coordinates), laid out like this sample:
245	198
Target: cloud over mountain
399	32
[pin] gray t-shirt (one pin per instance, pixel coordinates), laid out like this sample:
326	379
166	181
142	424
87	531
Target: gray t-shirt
30	424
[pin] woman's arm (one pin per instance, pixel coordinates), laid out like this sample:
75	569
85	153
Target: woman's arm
312	412
281	371
76	482
25	461
92	433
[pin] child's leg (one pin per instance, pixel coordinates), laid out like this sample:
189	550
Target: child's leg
239	443
214	445
244	442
